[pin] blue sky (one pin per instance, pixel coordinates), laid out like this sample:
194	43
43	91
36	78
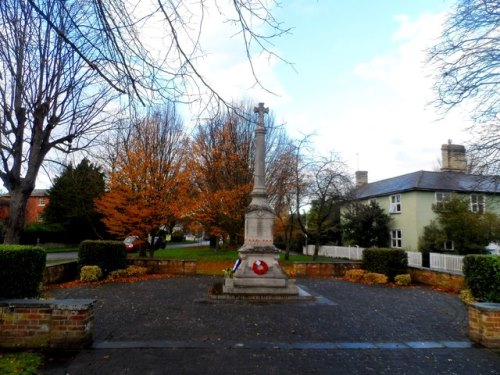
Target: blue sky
359	81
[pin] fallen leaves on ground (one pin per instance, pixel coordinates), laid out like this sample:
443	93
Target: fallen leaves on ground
129	279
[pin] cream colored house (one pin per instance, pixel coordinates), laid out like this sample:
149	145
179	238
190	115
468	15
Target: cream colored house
408	199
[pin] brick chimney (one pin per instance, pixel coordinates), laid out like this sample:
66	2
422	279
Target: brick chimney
453	158
361	178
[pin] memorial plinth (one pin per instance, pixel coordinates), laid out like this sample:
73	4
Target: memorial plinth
259	272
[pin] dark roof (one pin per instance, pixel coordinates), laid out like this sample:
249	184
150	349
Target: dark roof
431	181
34	193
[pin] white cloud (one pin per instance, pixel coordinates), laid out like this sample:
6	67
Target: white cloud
395	132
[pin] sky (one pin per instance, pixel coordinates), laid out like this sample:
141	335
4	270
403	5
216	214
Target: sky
358	81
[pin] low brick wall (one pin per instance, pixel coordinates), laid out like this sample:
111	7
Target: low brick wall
323	269
35	324
175	267
58	273
484	324
438	279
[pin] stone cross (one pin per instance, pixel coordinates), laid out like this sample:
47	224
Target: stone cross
261	110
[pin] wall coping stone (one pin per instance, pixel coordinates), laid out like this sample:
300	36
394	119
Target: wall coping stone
438	270
487	306
63	304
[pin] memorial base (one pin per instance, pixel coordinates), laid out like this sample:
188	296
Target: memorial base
259	274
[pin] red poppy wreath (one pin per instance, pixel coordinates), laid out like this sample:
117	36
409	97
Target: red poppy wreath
260	267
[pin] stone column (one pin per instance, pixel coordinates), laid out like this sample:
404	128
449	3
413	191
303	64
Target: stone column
259	272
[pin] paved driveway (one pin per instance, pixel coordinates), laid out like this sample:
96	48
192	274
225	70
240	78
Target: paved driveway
167	327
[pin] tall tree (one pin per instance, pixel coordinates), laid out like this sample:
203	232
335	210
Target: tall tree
49	98
148	185
321	182
366	225
467	59
222	165
150	48
466	232
467	74
71	201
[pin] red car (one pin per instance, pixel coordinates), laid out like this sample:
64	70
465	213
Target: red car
134	243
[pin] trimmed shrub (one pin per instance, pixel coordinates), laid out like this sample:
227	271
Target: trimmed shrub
374	278
355	275
482	275
108	255
390	262
128	272
177	236
403	280
90	273
21	271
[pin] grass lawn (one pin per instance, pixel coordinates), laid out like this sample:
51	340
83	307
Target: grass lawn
206	254
59	249
24	363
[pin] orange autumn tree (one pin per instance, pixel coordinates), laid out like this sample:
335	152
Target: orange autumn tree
148	185
222	166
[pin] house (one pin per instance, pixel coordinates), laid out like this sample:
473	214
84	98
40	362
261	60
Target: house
34	208
409	198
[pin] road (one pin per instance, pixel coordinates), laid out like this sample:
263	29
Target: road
73	255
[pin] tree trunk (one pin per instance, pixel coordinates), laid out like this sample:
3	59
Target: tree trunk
17	214
316	250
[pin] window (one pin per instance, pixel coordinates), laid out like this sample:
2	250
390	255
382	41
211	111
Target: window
449	246
441	199
396	238
41	201
477	203
395	206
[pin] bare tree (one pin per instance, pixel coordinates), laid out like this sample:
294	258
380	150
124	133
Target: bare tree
117	31
321	184
49	99
467	59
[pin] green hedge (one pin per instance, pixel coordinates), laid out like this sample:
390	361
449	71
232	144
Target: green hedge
390	262
482	275
108	255
22	270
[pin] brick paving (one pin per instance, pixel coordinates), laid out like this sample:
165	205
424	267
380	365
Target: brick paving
168	326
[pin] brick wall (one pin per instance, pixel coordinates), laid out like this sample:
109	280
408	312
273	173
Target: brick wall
35	324
176	267
438	279
484	324
324	269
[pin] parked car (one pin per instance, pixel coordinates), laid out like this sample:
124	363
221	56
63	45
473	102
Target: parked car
134	243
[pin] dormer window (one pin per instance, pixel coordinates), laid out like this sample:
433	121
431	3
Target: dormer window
395	205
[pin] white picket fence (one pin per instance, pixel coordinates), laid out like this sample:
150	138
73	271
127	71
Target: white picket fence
441	262
451	263
352	253
414	258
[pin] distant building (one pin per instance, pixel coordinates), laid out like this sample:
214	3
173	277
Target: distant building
37	202
409	198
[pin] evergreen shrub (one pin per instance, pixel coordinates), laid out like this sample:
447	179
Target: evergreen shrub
390	262
22	270
108	255
177	236
482	275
